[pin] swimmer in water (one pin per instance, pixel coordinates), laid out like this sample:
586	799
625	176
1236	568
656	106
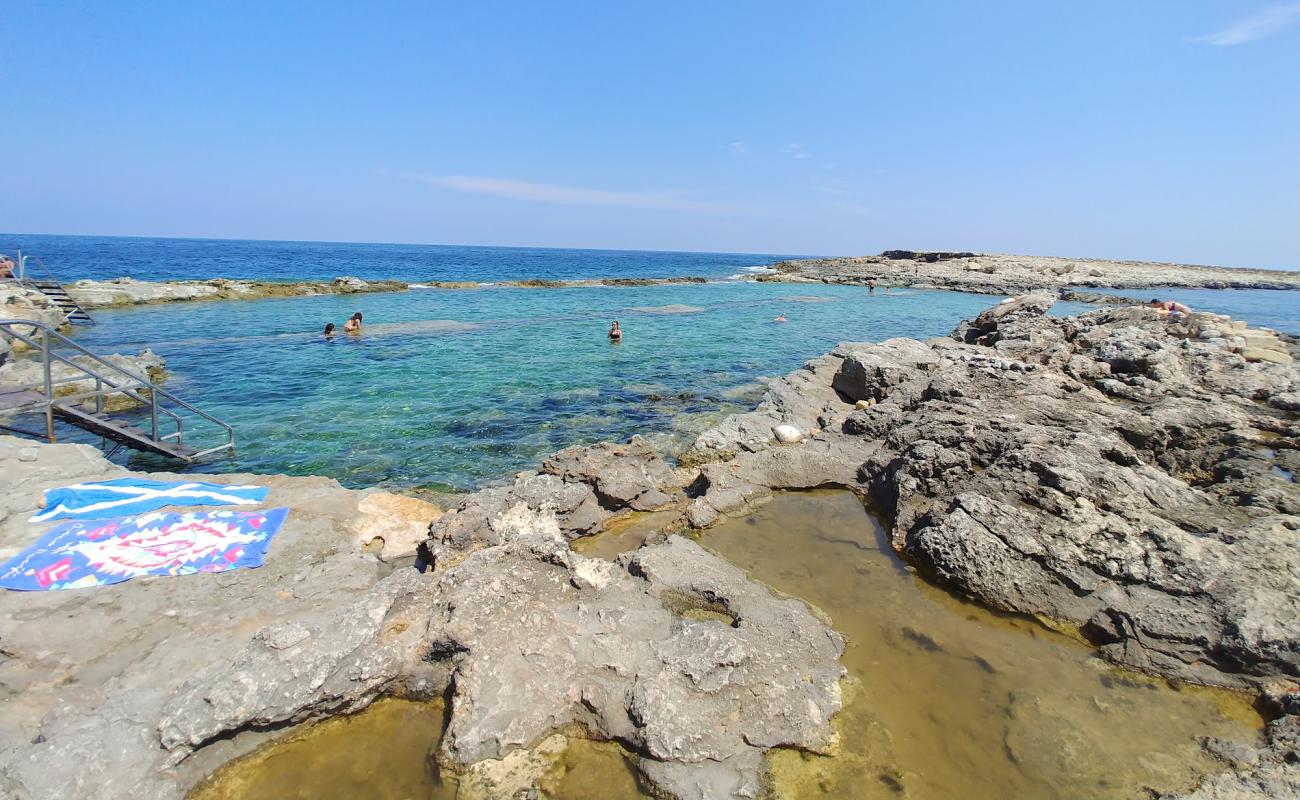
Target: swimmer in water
353	325
329	330
615	332
780	318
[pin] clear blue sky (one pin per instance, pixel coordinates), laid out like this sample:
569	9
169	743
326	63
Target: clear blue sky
1157	130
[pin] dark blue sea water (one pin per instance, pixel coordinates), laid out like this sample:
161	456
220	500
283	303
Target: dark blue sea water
461	387
73	257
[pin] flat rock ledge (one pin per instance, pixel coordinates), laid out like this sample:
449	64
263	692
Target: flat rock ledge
1124	473
119	292
150	685
991	273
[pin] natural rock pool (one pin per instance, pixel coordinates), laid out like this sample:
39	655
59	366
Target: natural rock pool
946	699
942	698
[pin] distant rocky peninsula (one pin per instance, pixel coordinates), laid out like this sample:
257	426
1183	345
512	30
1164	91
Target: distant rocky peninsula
956	271
1121	474
120	292
1010	275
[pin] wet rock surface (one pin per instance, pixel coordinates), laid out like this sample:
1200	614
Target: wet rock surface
131	292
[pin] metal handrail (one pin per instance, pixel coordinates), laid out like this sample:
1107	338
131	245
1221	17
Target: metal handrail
22	265
9	326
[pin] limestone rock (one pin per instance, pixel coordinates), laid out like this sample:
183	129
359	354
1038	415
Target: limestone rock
786	434
394	524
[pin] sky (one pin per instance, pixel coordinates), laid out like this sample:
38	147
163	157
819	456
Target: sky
1159	130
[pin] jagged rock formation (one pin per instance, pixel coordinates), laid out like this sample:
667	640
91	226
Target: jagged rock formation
1122	471
670	650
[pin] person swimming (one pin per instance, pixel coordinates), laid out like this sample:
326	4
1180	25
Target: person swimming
329	330
615	332
780	318
353	325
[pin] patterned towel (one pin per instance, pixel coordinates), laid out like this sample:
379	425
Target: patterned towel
80	554
103	499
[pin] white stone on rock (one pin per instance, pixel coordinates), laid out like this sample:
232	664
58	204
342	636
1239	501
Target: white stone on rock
787	434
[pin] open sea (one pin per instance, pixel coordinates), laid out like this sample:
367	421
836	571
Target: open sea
451	389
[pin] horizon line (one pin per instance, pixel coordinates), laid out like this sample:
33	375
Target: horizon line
784	256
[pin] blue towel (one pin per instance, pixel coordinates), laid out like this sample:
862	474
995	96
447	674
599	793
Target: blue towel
76	555
125	496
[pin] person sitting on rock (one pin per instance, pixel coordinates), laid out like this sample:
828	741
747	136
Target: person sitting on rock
615	332
353	325
6	267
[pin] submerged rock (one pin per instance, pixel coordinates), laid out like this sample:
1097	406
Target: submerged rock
28	373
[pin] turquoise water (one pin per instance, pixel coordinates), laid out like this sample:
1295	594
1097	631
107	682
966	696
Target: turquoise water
454	388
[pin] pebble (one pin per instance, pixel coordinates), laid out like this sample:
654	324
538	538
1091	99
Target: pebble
787	434
27	454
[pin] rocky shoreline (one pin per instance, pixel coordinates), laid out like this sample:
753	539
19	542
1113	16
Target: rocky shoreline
1121	473
120	292
989	273
123	292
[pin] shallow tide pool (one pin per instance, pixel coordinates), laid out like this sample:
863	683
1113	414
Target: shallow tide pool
943	698
947	699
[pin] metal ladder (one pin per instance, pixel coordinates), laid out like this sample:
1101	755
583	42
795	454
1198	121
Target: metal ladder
46	284
85	409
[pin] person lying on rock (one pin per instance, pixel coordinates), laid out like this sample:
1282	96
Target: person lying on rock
353	325
1169	307
615	332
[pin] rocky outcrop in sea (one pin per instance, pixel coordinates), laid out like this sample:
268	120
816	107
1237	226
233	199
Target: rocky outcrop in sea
991	273
130	292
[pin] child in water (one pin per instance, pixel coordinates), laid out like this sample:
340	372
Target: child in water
353	325
329	330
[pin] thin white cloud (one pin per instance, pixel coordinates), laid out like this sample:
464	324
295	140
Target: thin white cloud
568	195
795	150
740	148
1266	22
